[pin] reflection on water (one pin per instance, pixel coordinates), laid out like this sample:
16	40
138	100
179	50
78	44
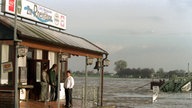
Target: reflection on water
136	93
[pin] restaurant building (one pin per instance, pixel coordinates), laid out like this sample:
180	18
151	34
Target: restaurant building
26	45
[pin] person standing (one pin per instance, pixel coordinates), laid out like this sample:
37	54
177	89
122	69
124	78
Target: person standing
52	79
44	84
68	85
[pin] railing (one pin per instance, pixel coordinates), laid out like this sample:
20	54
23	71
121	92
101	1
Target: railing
92	95
7	91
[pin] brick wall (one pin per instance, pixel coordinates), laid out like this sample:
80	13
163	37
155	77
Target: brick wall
7	99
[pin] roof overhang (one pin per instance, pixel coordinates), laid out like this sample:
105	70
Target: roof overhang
38	37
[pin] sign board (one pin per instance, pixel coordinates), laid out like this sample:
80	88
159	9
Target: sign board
7	67
35	12
23	74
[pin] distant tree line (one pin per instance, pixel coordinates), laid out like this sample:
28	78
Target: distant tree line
90	74
124	72
135	73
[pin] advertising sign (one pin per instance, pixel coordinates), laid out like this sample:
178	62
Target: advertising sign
35	12
7	67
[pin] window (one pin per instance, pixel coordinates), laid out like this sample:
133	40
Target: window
7	64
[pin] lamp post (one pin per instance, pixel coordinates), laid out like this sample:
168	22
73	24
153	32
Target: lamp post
97	67
16	60
89	61
61	59
105	62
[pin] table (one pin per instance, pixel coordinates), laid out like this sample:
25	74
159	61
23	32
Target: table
28	88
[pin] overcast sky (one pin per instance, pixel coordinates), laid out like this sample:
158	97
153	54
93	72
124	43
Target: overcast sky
145	33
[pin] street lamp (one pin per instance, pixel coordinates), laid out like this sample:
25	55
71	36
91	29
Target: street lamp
89	61
106	62
63	57
22	51
98	65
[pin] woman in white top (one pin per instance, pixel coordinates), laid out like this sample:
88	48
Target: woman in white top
44	85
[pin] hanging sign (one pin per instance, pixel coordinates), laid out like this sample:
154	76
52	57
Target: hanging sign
35	12
7	67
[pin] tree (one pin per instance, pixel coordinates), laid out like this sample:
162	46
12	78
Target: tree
120	65
147	73
160	73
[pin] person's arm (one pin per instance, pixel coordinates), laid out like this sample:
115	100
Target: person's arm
72	82
44	76
51	77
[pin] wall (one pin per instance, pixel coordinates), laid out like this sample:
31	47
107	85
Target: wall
7	99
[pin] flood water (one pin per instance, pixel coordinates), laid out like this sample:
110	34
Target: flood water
136	93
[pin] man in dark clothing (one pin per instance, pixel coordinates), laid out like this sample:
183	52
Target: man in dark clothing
52	79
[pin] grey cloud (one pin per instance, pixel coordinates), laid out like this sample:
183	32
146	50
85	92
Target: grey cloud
181	2
155	18
181	5
167	57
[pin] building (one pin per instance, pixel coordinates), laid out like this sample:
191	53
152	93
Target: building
30	49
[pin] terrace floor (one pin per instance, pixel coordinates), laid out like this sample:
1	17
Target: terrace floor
51	104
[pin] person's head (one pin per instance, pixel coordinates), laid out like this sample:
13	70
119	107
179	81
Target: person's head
68	73
54	66
45	67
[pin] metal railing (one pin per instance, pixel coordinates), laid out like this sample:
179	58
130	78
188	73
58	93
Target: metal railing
92	95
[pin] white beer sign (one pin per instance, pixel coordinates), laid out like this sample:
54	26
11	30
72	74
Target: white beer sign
35	12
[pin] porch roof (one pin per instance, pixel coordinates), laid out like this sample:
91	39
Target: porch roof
34	32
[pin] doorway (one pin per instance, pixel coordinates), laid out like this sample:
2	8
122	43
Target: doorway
34	69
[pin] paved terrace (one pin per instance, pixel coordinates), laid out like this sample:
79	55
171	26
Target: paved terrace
51	104
54	104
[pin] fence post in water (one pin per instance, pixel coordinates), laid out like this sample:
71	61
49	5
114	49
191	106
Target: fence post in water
97	96
94	96
85	93
82	101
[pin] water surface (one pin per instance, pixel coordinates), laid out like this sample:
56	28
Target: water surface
136	93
